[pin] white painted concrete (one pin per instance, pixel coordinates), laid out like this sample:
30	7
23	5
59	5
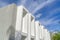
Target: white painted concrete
33	27
40	32
7	22
25	24
37	30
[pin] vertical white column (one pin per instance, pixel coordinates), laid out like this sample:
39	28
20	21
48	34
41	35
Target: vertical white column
29	26
45	36
37	30
48	35
19	18
25	24
42	32
33	29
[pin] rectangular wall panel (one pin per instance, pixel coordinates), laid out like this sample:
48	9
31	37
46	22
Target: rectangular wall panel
37	31
7	22
25	27
29	27
40	32
33	28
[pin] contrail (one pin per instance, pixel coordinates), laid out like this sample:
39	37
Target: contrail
42	5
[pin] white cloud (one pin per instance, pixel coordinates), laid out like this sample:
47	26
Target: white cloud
38	15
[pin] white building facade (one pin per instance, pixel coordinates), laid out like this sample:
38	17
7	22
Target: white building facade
17	23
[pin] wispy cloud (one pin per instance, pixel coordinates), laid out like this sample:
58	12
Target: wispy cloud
38	15
32	4
53	12
49	21
42	5
46	22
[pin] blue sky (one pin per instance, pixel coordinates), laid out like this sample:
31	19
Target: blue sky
47	12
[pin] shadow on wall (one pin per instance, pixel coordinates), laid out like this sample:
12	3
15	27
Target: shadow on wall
11	33
18	36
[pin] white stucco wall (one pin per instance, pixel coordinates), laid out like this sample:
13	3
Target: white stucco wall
40	32
33	27
25	24
7	21
37	30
